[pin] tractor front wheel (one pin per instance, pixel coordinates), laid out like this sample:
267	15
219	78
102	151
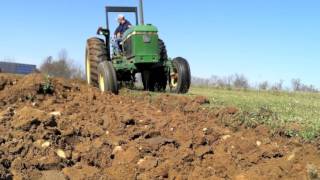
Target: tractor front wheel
107	78
180	78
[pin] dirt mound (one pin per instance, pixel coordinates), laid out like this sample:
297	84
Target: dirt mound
76	132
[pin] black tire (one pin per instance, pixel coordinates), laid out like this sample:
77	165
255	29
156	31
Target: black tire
162	51
146	80
160	74
180	79
107	78
95	53
160	79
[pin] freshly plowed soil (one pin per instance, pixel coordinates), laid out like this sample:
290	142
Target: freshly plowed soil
77	132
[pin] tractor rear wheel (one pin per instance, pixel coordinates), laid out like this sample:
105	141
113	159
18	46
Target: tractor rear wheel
180	78
107	78
95	53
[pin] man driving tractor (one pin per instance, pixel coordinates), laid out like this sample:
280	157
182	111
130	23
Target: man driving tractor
124	25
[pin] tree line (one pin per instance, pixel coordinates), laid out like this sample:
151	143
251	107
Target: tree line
239	81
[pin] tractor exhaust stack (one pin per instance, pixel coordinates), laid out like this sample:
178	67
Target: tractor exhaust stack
141	12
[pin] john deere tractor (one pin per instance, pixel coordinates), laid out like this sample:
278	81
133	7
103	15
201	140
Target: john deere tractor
142	51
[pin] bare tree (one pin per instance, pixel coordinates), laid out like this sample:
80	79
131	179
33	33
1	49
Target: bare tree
61	67
296	84
278	86
200	81
240	81
309	88
264	85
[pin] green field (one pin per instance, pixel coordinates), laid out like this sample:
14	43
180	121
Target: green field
298	114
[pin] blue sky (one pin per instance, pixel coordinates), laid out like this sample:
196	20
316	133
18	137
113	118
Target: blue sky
264	40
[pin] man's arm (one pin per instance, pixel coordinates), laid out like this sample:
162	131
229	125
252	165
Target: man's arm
129	24
117	31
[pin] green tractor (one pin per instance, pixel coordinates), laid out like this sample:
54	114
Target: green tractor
142	51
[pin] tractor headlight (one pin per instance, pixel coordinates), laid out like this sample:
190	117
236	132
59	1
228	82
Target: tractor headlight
146	38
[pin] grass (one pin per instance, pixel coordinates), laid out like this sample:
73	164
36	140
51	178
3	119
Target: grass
298	114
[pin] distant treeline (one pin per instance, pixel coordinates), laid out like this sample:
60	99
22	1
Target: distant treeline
239	81
61	66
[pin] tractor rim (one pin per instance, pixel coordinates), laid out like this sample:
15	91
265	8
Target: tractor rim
174	79
88	73
101	83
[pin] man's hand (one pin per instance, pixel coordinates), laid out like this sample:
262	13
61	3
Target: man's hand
102	31
118	35
99	31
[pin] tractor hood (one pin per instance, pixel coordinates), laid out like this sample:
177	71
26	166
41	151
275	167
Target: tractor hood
141	44
141	29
